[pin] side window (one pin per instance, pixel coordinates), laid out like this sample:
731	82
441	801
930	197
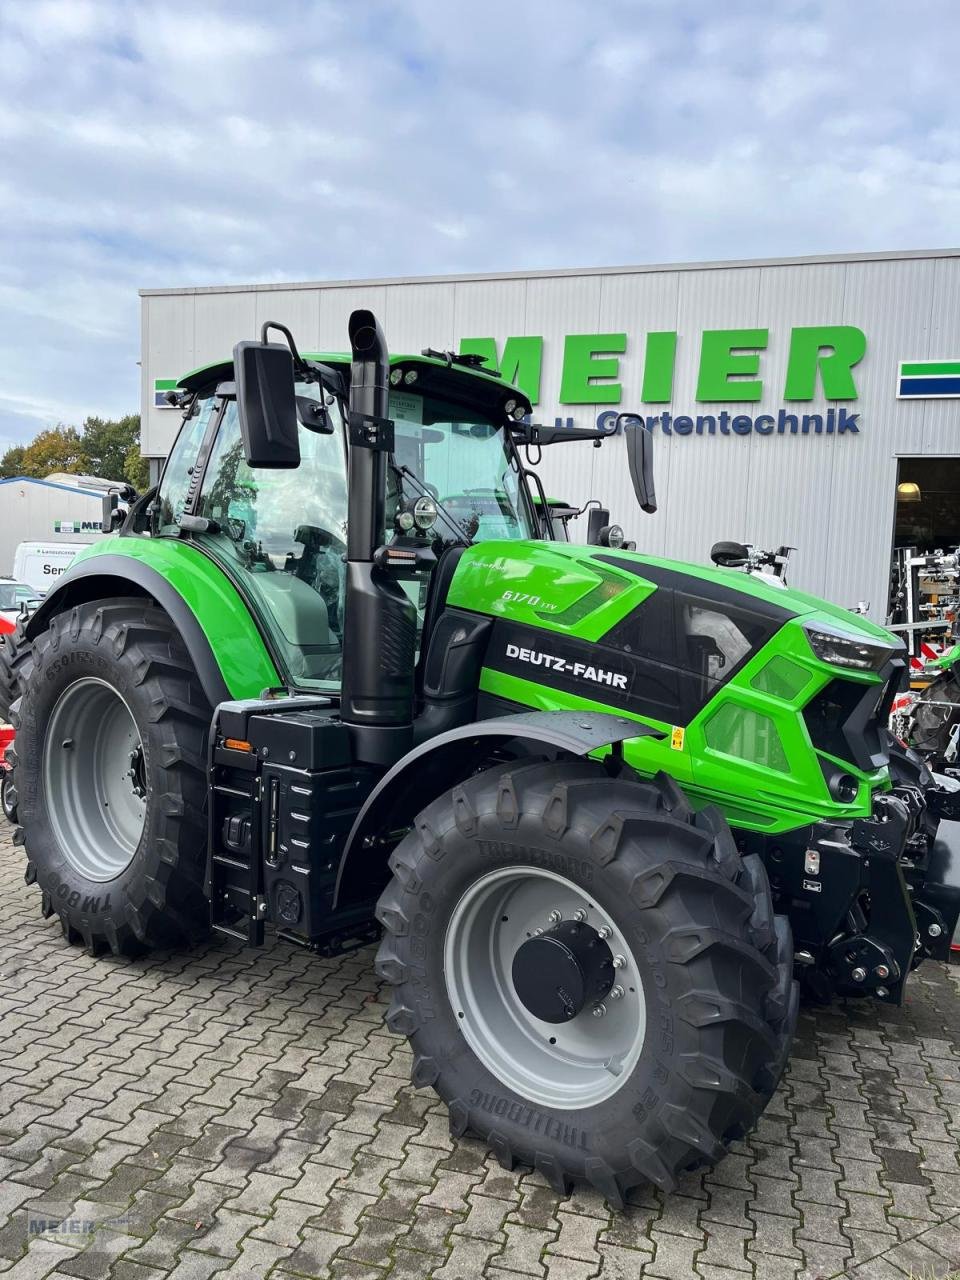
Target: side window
176	474
283	534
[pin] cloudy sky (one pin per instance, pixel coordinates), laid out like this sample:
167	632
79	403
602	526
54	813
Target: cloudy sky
154	145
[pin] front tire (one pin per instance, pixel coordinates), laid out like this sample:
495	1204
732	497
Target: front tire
110	775
708	966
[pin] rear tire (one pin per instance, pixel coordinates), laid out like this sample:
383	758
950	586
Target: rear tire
713	963
115	838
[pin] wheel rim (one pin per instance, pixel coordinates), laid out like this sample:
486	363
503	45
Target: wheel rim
7	796
93	772
575	1064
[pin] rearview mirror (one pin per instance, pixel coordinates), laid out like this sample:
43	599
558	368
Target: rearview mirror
267	404
729	555
640	459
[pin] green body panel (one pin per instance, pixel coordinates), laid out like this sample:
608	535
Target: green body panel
237	646
568	590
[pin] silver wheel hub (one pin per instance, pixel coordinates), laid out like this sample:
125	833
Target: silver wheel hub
524	942
94	779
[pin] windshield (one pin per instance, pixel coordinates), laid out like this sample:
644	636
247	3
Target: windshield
14	594
462	459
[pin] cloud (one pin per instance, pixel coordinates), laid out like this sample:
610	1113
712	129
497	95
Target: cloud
157	144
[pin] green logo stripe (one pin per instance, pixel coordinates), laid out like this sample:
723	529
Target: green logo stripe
164	384
929	368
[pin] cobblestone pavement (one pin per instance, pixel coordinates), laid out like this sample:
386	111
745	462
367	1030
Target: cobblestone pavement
246	1113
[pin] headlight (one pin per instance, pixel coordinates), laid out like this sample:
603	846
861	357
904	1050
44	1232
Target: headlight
611	535
842	649
396	377
425	513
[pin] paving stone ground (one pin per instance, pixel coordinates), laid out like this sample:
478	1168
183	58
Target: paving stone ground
243	1114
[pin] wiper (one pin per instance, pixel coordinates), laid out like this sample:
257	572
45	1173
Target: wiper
458	529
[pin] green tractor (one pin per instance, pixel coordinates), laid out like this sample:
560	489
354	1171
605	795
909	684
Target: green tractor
330	677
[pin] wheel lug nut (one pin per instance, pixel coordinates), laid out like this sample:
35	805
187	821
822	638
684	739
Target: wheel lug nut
616	993
858	974
882	971
934	931
580	916
618	962
599	1010
555	917
882	991
604	931
537	932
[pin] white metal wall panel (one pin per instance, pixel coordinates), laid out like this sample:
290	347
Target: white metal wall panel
940	431
298	309
489	308
788	498
418	316
168	351
335	308
220	320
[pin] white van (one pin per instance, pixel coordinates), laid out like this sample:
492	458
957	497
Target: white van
40	564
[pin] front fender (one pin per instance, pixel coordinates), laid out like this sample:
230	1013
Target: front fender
440	763
227	650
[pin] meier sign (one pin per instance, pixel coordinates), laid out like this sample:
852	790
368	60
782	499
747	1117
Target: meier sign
729	365
820	358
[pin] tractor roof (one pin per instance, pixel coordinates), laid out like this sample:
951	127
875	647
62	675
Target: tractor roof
445	376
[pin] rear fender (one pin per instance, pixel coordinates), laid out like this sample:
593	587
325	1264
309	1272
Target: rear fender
440	763
227	651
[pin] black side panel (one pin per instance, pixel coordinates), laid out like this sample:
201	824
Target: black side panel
108	577
451	672
440	582
589	670
849	720
715	592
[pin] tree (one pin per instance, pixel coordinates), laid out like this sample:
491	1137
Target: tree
57	449
106	444
136	469
106	447
11	464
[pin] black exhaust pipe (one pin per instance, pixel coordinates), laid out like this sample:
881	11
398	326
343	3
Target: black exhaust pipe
380	621
367	468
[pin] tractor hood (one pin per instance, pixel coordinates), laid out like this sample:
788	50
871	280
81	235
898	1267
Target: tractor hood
588	590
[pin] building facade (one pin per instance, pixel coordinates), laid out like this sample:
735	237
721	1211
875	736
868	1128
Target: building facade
788	399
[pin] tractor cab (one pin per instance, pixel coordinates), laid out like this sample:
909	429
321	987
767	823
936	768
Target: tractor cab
453	478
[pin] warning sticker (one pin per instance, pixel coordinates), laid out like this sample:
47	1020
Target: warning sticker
676	738
405	408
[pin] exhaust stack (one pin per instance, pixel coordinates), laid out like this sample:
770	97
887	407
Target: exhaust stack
380	621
